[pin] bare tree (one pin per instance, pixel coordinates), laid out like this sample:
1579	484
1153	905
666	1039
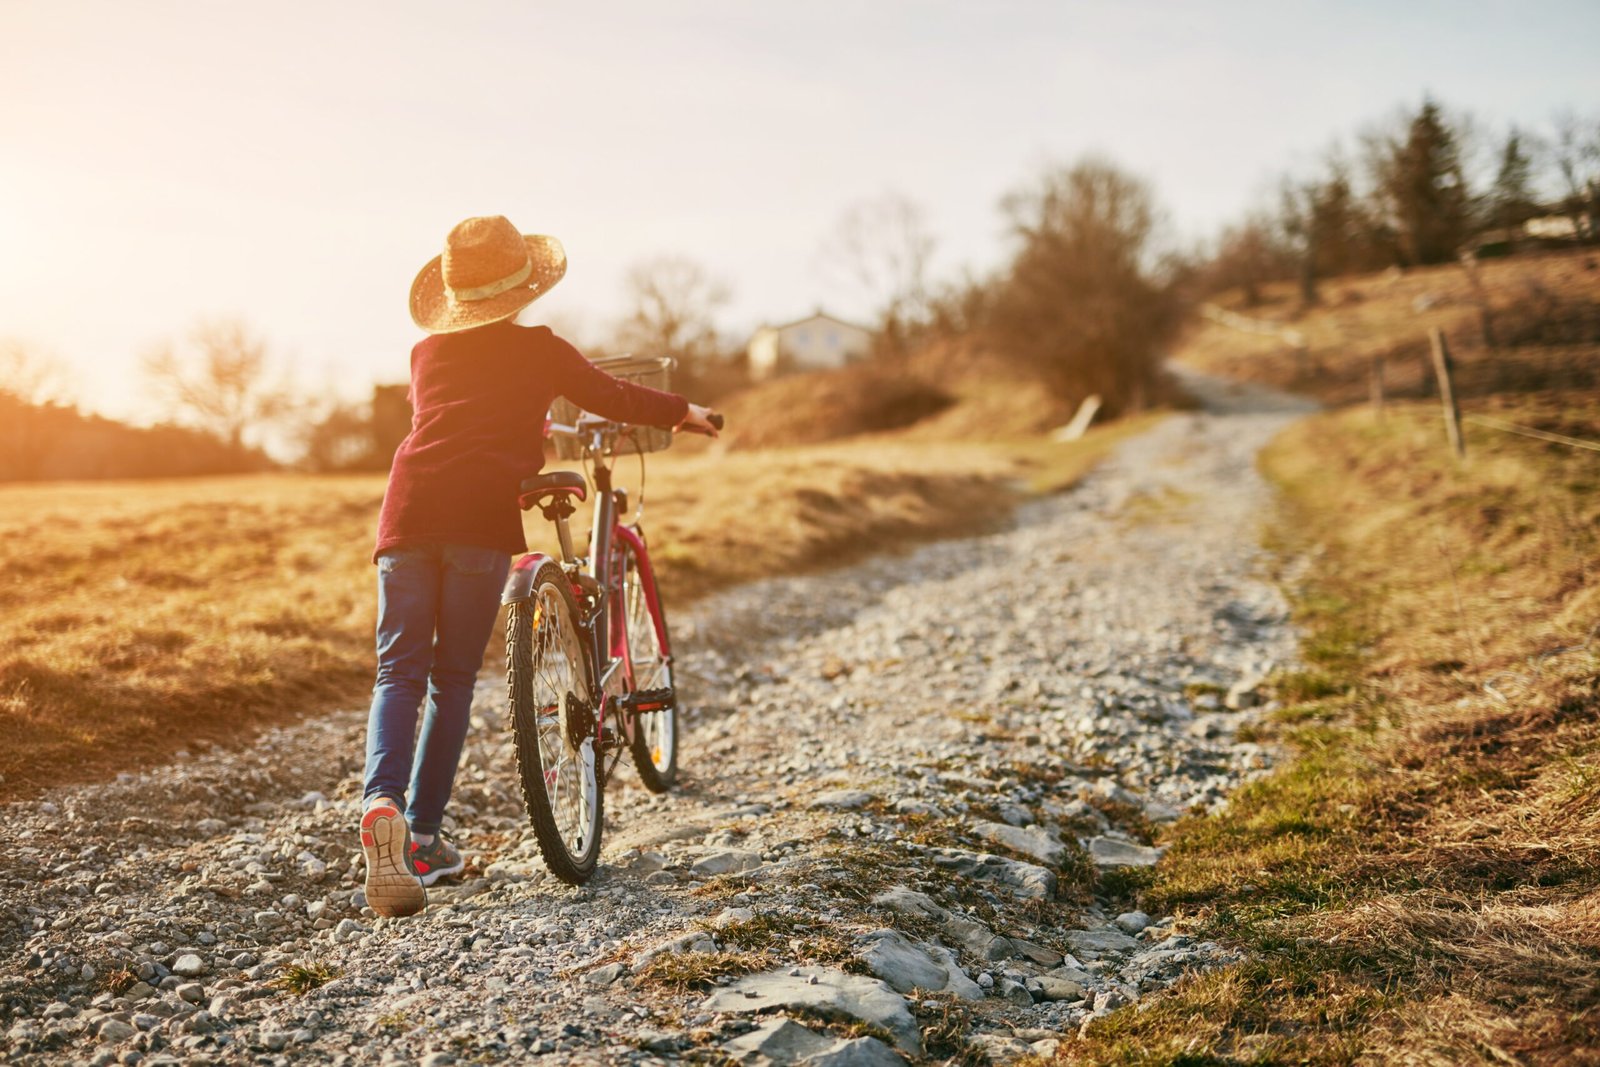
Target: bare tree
221	381
673	302
883	246
32	398
1250	254
1575	151
29	377
1081	303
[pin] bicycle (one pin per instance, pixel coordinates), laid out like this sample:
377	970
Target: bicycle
575	621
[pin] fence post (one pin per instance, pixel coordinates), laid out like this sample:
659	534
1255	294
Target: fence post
1375	386
1447	391
1480	297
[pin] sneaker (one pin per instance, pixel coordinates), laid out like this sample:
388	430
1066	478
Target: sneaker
392	886
437	859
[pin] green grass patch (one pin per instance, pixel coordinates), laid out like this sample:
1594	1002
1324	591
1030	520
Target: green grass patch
302	978
1416	880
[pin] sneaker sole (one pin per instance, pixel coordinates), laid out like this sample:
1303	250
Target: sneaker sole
391	887
443	872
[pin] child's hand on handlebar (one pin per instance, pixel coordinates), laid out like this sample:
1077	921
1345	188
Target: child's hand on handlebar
701	420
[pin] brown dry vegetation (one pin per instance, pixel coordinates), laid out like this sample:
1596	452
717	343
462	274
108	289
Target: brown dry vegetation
949	390
1543	313
140	618
145	618
1420	882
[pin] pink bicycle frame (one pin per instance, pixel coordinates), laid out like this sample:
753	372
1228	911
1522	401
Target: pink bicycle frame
627	535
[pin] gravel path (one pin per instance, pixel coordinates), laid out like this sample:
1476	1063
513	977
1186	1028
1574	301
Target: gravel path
914	792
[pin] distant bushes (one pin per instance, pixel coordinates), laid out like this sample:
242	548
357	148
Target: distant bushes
48	442
1083	303
828	405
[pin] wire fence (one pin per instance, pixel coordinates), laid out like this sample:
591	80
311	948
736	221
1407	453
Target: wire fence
1503	684
1529	431
1524	680
1507	684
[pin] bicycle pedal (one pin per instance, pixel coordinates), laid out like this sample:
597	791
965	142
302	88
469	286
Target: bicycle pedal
645	700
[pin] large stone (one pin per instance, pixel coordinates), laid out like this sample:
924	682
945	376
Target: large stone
1033	841
1245	693
910	902
977	939
826	991
508	871
858	1052
1065	983
1014	992
907	965
607	974
1043	955
1111	852
1001	1048
898	960
841	799
956	980
776	1041
115	1030
1102	941
1132	922
913	806
727	861
189	965
1026	880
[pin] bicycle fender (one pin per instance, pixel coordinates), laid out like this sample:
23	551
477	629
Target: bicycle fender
519	583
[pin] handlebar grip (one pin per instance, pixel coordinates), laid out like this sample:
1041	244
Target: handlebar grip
715	419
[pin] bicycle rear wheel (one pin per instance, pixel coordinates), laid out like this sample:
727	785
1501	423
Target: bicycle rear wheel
654	741
552	716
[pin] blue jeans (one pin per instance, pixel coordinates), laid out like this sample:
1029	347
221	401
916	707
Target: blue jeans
436	609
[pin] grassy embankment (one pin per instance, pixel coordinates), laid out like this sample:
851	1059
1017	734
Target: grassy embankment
1420	880
138	619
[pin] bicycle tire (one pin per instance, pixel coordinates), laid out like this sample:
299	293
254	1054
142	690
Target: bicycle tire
538	630
653	740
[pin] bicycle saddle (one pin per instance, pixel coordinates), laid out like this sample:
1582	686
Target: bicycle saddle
553	484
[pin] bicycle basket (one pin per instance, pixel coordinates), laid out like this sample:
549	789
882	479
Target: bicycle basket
652	371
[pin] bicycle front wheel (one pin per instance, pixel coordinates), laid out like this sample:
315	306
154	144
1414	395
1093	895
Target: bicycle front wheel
654	743
553	718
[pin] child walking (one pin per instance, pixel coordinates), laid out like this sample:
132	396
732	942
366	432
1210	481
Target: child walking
450	524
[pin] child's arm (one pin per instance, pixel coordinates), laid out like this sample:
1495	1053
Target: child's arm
594	390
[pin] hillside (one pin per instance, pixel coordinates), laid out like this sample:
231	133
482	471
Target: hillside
1519	326
1418	882
946	390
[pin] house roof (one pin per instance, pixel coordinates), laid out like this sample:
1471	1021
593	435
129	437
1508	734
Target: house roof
815	315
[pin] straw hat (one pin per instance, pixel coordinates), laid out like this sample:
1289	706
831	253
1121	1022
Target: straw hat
488	272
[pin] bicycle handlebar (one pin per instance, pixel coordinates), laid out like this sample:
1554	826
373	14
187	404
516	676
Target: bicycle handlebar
588	423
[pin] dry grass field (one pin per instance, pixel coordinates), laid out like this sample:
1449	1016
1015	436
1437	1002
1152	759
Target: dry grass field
1543	316
142	619
1420	881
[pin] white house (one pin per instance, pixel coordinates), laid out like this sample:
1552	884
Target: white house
816	342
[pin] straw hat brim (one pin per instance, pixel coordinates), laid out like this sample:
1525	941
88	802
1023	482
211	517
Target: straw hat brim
433	309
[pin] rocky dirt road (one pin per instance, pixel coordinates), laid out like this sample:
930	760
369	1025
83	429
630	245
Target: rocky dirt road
916	792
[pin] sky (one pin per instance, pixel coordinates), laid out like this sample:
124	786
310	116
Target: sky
294	164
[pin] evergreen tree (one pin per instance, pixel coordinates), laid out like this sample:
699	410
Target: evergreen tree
1425	190
1511	202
